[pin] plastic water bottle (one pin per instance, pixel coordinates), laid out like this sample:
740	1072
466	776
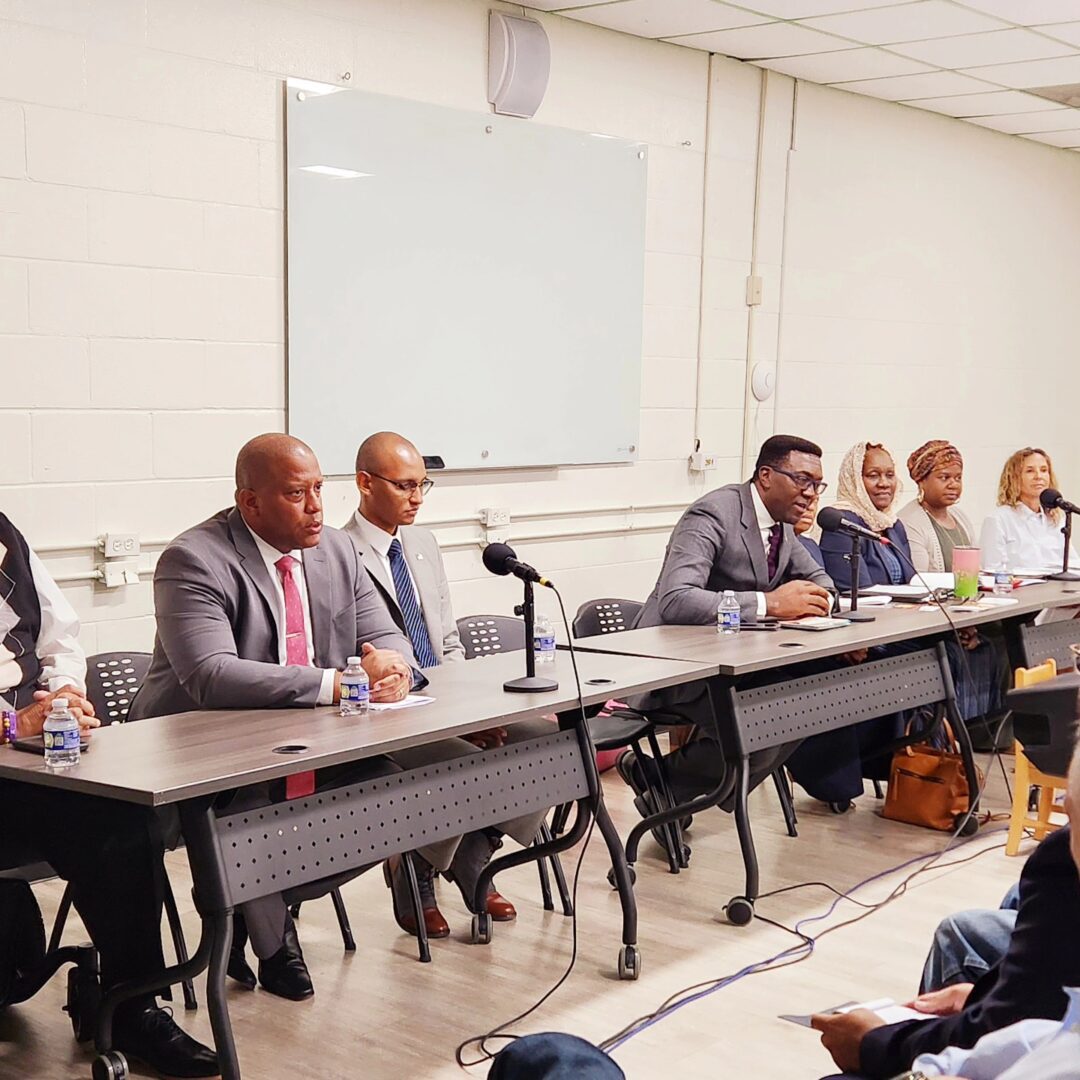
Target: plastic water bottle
1002	581
544	640
728	614
355	689
61	736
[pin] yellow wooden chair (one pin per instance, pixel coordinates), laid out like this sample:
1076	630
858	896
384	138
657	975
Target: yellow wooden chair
1027	775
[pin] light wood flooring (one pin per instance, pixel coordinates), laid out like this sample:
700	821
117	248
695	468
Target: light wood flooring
381	1015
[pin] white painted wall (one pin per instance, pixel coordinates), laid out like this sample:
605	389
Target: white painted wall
141	309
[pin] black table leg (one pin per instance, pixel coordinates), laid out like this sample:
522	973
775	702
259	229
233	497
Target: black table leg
740	909
219	927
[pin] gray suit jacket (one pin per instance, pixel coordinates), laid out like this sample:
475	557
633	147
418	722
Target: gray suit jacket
716	546
217	646
425	563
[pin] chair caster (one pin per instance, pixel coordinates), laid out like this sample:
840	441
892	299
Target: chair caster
112	1065
971	826
83	1002
614	883
629	963
481	929
739	910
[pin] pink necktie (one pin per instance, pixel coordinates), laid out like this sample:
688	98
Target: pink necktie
296	652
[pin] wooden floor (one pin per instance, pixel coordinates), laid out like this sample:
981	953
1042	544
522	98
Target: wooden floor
380	1014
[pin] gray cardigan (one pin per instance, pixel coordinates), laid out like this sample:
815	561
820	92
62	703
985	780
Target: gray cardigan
926	551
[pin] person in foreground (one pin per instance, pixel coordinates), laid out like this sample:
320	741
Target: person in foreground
985	1031
739	537
1020	534
260	607
110	852
407	569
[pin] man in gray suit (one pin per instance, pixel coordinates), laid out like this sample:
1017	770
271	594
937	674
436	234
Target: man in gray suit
406	565
739	537
259	607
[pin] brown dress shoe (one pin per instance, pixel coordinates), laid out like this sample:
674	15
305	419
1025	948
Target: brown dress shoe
499	908
398	883
473	854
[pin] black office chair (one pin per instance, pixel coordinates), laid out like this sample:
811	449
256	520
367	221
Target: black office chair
1051	641
492	635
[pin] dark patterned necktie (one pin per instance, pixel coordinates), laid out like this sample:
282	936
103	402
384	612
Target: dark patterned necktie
410	609
772	561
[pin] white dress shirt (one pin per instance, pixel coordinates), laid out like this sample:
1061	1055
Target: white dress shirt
1028	1050
270	556
63	662
765	523
379	541
1019	537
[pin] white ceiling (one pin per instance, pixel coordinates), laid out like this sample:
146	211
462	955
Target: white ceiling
973	59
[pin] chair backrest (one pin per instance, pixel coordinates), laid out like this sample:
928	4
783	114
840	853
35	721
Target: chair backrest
1050	641
607	616
787	711
112	681
1031	676
490	635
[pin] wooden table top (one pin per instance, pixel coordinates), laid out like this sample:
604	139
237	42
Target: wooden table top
749	651
169	759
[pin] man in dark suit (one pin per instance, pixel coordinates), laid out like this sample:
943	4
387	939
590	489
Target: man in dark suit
260	607
1043	957
739	537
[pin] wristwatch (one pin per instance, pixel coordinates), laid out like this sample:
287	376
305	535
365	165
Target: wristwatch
912	1074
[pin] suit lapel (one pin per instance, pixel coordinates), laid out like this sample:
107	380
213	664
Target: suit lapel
320	600
253	564
377	572
751	536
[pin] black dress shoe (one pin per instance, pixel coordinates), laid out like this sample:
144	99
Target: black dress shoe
150	1035
239	969
285	973
629	768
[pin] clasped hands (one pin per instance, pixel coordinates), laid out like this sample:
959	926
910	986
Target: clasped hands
32	718
388	672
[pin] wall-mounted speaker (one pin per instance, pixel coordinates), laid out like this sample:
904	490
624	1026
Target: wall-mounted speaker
519	62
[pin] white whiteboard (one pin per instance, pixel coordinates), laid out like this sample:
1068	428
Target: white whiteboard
478	288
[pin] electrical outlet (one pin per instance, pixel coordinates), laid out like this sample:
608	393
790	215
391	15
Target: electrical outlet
494	517
700	461
115	574
121	545
755	287
496	536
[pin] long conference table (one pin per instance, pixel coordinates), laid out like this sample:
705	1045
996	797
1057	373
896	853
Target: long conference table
734	657
189	760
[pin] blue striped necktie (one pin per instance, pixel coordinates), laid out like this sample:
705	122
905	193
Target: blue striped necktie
410	609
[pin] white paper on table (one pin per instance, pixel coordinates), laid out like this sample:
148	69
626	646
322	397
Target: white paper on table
915	592
932	580
865	601
408	703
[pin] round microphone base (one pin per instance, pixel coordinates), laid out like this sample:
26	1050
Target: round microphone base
1067	575
857	616
530	684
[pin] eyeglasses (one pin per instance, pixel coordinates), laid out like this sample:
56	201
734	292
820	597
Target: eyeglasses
803	481
407	487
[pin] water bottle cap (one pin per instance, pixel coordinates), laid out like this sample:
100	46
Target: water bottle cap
353	661
59	702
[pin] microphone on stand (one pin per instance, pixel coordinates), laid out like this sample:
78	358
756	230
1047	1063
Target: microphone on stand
1052	499
501	559
832	519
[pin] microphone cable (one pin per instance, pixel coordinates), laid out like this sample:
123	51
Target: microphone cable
501	1031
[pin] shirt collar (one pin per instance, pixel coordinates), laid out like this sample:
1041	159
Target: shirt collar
269	553
1072	1014
764	518
379	540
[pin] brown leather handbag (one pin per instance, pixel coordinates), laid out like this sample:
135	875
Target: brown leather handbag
928	786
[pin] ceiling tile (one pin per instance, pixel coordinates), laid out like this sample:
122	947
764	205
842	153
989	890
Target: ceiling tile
1023	123
995	103
1069	31
838	67
667	18
996	47
1031	73
1026	12
905	22
804	9
906	87
1064	139
771	39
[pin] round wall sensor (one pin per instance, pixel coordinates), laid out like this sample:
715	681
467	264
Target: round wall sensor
763	381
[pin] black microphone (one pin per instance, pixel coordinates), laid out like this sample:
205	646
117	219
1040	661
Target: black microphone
502	559
832	520
1052	499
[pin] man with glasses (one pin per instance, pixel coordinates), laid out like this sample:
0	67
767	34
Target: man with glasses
406	566
739	537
